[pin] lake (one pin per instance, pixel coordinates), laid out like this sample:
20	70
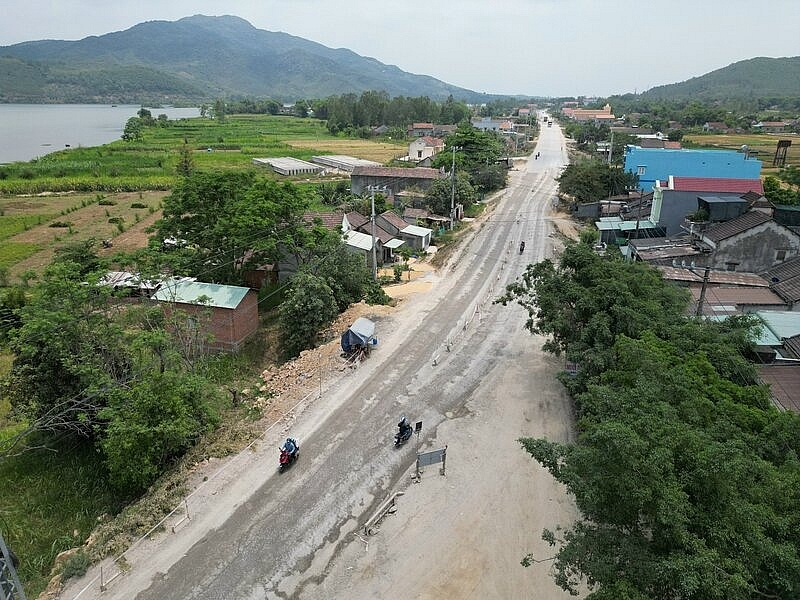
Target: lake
28	131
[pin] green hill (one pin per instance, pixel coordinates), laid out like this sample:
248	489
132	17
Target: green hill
199	58
754	78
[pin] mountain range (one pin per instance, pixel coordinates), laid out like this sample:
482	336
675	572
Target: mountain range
747	79
200	58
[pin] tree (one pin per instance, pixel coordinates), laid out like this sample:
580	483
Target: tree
133	130
776	193
185	165
439	195
68	353
675	469
309	306
146	426
592	180
231	221
219	110
81	254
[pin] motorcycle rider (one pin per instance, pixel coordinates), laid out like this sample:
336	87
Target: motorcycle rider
290	446
522	246
405	428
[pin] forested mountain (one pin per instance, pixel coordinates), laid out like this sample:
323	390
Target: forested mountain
746	79
199	58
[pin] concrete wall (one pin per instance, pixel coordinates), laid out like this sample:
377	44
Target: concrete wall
757	249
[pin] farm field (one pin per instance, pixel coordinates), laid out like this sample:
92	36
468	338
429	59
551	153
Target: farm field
31	228
151	162
115	191
764	144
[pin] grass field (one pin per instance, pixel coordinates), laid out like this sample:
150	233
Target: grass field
765	145
151	163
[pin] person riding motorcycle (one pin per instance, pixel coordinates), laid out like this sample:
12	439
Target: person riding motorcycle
522	246
290	446
405	427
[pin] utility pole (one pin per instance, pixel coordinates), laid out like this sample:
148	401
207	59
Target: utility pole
374	250
639	212
453	190
702	299
611	147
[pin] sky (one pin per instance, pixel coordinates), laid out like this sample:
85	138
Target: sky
527	47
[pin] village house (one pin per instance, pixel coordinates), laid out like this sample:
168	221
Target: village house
228	313
393	179
425	147
421	129
416	237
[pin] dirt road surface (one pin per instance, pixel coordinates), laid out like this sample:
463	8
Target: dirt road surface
476	379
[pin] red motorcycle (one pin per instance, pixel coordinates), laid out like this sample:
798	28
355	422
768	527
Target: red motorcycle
289	453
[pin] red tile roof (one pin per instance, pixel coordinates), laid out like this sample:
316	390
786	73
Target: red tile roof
356	219
717	184
330	220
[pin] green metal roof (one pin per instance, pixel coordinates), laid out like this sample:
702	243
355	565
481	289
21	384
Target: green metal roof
205	294
779	325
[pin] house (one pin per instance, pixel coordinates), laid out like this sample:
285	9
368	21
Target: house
679	196
416	237
228	313
778	338
421	129
582	115
489	124
771	126
716	127
753	242
425	147
387	243
783	380
652	165
424	217
393	179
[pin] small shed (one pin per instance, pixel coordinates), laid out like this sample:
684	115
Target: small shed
228	313
359	336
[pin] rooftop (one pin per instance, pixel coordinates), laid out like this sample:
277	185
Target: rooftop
205	294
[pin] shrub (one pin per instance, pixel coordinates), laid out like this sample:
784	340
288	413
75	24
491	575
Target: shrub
76	565
107	202
64	224
138	205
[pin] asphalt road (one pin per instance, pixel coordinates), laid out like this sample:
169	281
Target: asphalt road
272	543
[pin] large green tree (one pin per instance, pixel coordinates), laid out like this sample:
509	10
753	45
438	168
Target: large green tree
229	222
685	476
590	180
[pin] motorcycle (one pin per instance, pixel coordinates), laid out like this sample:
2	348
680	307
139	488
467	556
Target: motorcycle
402	436
289	454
